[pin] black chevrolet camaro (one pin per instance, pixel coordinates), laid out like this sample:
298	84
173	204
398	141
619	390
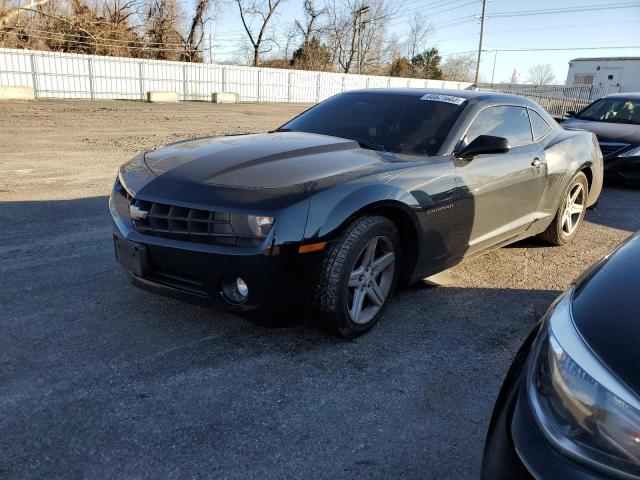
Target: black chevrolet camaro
615	120
360	193
570	405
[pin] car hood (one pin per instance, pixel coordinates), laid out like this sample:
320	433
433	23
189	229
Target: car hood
273	160
606	131
605	310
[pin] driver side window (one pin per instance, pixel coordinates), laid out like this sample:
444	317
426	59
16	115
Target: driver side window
509	122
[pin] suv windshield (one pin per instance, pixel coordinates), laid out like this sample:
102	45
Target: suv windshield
614	110
386	122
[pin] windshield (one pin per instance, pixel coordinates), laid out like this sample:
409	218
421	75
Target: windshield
387	122
614	110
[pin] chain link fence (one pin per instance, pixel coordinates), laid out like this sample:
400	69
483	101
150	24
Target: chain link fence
556	99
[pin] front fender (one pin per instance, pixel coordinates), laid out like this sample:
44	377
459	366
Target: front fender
333	208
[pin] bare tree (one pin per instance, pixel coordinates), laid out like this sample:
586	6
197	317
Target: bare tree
195	37
541	74
419	30
394	49
128	28
161	28
7	15
459	68
287	44
371	51
311	14
357	33
262	10
347	32
118	12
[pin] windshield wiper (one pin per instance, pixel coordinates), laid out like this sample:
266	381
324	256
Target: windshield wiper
371	145
281	129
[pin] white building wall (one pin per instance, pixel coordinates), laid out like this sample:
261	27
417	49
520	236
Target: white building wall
615	75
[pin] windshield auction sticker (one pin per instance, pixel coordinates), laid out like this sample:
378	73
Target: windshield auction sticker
436	97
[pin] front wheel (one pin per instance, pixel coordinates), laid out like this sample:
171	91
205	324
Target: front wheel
570	215
359	276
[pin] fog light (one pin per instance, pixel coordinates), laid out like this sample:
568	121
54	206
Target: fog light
235	289
242	288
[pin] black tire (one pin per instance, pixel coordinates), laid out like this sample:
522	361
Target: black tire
554	234
331	294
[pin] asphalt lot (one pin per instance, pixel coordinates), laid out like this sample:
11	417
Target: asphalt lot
101	380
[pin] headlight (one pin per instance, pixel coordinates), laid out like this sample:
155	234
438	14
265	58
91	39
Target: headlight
581	406
634	152
252	226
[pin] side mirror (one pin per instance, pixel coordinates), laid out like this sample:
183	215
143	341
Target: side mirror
484	144
569	114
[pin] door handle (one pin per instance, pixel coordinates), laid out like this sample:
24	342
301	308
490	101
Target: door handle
536	162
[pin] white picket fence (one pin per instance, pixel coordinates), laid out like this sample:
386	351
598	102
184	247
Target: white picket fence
69	75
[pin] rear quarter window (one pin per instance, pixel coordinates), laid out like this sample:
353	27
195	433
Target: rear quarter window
539	126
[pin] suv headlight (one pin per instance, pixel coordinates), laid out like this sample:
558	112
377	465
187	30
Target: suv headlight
581	406
634	152
252	226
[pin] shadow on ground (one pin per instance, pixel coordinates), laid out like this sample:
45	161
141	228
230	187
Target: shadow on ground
617	208
102	379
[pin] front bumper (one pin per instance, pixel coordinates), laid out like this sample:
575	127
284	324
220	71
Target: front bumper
196	276
623	169
275	274
515	446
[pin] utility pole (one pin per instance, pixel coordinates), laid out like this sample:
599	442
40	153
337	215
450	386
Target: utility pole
495	59
210	48
359	24
484	7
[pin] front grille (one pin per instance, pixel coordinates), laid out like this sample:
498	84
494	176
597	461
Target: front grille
182	223
609	148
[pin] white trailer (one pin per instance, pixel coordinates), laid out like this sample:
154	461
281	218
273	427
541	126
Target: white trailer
608	74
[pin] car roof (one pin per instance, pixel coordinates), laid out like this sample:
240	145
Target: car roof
628	95
602	59
479	96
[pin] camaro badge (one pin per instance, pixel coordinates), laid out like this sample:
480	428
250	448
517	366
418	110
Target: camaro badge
440	209
136	213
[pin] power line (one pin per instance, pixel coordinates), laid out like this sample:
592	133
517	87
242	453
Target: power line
436	4
448	24
230	35
88	43
411	12
507	14
558	49
62	36
551	11
559	27
439	7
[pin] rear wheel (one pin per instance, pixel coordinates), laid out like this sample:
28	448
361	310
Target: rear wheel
359	276
570	215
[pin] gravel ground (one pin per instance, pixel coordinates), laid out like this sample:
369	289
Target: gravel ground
101	380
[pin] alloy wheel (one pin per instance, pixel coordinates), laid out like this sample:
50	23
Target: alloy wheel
574	206
371	279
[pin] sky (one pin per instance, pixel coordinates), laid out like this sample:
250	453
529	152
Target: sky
553	37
